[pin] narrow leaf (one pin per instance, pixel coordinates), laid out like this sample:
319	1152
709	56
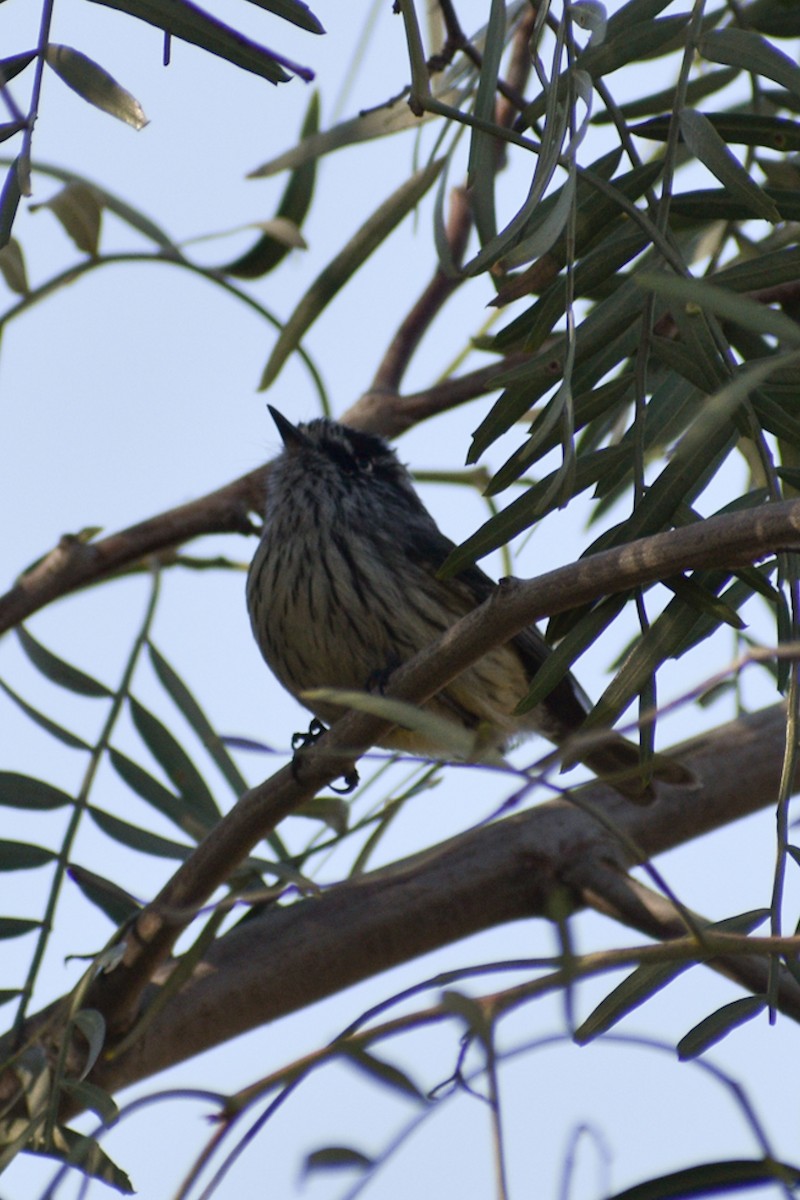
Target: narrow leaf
182	19
12	927
79	210
92	1025
9	202
714	204
528	508
94	84
161	798
646	980
22	791
448	737
741	48
745	129
335	1158
295	202
82	1151
708	147
174	761
639	986
377	123
197	719
714	1178
374	231
294	11
57	670
741	309
483	151
117	904
714	1028
382	1071
57	731
12	266
11	66
138	839
22	856
92	1098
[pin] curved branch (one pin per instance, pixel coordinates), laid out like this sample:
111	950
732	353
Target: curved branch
290	957
730	541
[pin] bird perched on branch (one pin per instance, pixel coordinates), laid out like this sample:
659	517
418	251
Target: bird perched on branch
343	588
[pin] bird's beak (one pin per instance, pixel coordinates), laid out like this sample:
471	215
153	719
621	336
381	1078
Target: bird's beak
292	437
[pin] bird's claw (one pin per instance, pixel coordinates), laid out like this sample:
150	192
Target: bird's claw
302	741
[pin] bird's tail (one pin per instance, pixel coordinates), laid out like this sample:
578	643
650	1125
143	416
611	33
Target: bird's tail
619	763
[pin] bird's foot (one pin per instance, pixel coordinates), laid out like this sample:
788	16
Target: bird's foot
302	741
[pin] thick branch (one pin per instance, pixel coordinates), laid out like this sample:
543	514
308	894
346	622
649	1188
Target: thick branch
721	541
391	414
294	956
74	564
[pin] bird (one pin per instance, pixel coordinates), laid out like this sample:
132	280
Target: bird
344	586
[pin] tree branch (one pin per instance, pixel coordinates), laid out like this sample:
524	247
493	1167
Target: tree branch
74	564
732	540
293	956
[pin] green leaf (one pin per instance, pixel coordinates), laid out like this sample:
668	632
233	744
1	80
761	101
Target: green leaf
12	927
77	206
627	40
197	719
92	1098
483	151
92	1025
112	203
161	798
117	904
94	84
528	508
376	123
714	1028
268	252
446	735
708	147
633	11
15	63
77	1149
741	48
333	812
583	633
697	89
138	839
336	1158
23	791
640	985
57	731
604	340
9	202
57	670
333	278
22	856
294	11
650	978
186	21
745	129
385	1073
741	309
175	762
12	267
714	204
712	1178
